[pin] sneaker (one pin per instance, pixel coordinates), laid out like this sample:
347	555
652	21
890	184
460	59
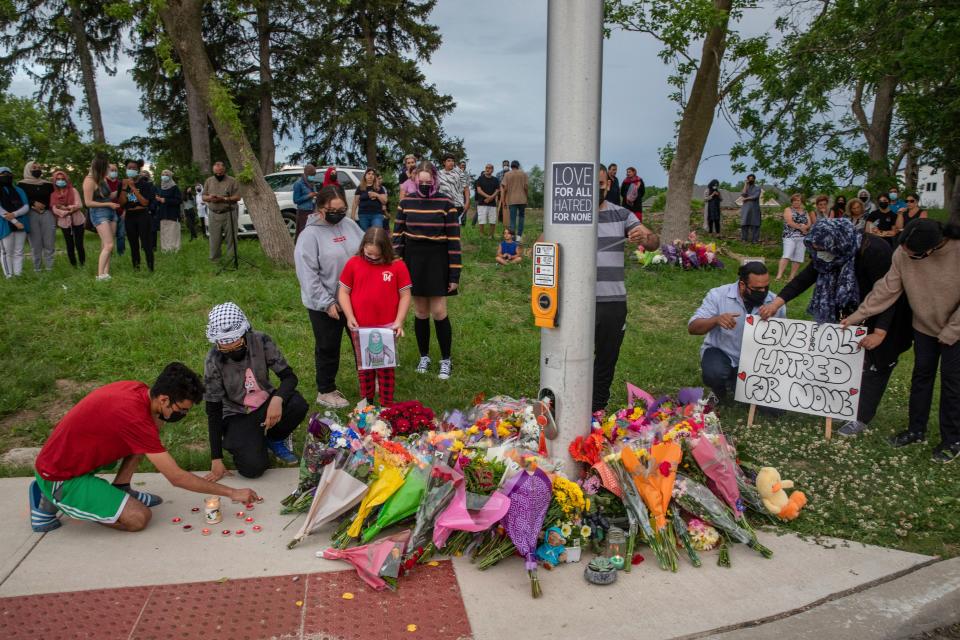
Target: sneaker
279	449
104	277
944	454
904	438
852	428
43	513
424	364
446	368
333	399
148	499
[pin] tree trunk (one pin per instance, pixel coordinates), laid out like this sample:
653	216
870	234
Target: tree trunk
953	204
182	21
695	124
876	131
950	182
372	92
268	148
910	171
89	73
199	132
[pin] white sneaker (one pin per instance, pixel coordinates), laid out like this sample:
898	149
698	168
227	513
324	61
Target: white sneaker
445	370
424	364
104	277
333	399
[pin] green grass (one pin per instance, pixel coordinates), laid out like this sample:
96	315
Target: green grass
65	326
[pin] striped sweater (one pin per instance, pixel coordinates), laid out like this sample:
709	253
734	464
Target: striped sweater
613	225
432	219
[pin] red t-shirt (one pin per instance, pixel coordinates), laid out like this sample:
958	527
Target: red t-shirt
374	290
111	423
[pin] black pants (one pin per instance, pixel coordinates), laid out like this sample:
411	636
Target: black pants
872	386
928	353
246	441
609	330
750	233
719	374
713	221
74	239
327	337
139	226
191	216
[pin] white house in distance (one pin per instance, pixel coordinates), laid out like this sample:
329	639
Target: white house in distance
930	183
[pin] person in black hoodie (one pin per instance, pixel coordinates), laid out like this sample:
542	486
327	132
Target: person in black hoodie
713	198
137	195
832	243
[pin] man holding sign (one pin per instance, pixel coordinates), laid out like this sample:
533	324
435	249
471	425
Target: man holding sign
721	319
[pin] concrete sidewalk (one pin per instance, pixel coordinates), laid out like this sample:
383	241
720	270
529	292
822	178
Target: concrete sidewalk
830	576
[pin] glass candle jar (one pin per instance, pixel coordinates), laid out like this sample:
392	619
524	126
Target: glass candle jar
212	510
616	546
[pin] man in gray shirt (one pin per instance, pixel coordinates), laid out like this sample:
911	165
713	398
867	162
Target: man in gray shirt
750	210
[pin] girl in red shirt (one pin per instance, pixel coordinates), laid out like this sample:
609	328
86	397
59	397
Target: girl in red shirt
375	292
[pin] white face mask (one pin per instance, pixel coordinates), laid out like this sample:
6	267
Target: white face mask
826	256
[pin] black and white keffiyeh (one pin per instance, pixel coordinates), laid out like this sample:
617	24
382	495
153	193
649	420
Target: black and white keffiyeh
226	323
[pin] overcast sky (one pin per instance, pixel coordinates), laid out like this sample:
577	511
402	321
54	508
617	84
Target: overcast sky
493	62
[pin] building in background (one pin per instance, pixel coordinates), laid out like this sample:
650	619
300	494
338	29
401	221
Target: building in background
930	186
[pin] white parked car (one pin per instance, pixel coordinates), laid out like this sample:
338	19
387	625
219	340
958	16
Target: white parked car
282	184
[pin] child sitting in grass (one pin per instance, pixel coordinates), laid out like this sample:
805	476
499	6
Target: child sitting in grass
507	251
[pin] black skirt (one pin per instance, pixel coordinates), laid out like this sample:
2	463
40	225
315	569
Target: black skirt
429	266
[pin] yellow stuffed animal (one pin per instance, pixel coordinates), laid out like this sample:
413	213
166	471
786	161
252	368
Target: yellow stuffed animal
771	489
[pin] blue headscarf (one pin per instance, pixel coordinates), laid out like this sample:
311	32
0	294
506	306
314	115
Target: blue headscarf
837	287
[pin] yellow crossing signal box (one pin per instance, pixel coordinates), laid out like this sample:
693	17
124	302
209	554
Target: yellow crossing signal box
546	283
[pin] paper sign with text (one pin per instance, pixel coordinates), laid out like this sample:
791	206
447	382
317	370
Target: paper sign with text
799	365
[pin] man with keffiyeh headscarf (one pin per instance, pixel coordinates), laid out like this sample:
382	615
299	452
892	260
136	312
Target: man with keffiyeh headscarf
246	415
844	266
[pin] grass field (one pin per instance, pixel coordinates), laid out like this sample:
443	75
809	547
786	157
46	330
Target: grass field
66	333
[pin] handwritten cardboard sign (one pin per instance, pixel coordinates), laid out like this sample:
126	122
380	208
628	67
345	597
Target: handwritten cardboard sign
798	365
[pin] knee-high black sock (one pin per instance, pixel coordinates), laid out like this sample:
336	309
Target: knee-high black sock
421	327
444	336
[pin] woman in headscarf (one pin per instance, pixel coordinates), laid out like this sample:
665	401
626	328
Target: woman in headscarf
869	206
426	235
246	414
839	206
713	198
330	178
14	224
43	227
926	267
168	210
844	267
68	209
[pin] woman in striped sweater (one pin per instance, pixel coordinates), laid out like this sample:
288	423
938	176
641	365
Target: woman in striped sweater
426	235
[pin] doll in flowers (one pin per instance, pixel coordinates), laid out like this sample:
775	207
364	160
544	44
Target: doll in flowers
553	550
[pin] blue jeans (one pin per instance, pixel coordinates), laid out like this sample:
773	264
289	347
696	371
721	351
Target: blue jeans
121	237
719	374
368	220
516	218
99	215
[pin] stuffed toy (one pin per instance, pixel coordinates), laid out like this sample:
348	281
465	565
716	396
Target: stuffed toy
771	489
552	551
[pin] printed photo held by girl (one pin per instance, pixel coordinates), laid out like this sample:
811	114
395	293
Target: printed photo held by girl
375	291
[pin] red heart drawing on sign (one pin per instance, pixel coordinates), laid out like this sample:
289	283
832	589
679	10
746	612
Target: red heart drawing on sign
749	319
860	332
854	392
742	375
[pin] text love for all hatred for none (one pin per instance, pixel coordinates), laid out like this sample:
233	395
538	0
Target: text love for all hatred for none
799	365
572	193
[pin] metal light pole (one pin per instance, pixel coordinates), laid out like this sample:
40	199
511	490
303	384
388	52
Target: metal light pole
574	81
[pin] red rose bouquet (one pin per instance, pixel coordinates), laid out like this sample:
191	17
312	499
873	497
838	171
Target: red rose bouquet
408	417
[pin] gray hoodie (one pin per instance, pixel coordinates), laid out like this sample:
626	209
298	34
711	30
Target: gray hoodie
322	251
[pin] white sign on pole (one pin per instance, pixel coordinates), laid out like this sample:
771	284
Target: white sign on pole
798	365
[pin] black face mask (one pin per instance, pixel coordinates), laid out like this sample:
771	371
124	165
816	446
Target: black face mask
424	190
237	354
219	177
753	299
175	416
36	173
884	205
334	217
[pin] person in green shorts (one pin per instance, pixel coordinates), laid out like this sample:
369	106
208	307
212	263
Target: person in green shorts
118	422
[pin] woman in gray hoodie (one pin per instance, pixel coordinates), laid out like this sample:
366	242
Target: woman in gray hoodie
327	241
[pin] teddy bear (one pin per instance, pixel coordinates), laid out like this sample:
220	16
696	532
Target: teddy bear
771	489
552	551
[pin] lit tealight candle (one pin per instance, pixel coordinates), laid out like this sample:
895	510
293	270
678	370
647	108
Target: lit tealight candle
257	528
240	514
240	532
249	519
175	520
225	532
205	531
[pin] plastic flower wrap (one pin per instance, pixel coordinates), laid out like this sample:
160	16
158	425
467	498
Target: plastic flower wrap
378	564
400	505
530	495
388	479
337	491
439	492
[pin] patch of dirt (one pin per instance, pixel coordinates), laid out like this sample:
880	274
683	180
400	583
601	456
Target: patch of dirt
55	405
196	446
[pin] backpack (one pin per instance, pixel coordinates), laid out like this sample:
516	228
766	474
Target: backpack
632	193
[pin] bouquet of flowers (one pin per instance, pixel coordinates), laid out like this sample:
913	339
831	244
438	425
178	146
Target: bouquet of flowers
378	564
341	485
388	478
654	480
698	501
408	417
325	439
438	494
402	504
530	495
